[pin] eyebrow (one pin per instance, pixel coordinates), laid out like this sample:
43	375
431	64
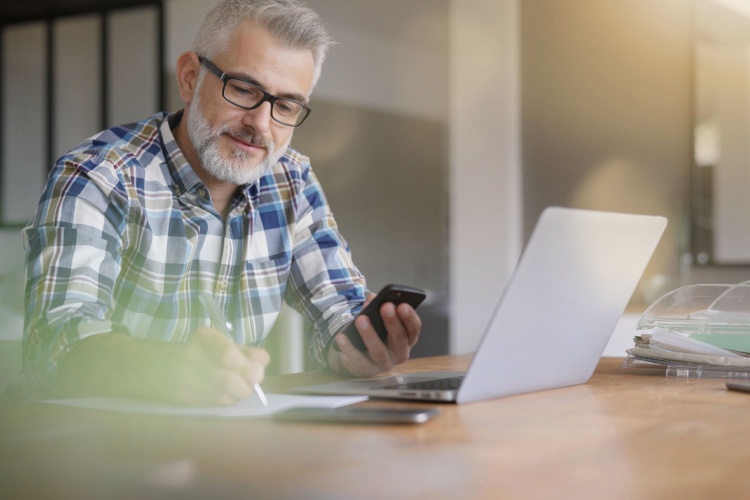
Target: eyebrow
287	95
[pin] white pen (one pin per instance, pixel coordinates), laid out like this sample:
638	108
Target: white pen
224	326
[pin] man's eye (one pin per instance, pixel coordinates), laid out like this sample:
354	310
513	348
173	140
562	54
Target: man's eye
284	107
288	108
242	90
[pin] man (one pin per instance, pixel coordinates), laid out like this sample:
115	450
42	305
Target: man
139	220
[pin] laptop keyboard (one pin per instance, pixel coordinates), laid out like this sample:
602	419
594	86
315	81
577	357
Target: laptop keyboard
434	384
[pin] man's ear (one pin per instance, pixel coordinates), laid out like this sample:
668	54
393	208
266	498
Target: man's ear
188	67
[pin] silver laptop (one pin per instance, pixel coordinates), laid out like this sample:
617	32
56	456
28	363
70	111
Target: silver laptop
571	286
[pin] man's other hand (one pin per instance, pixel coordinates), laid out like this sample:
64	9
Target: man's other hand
403	326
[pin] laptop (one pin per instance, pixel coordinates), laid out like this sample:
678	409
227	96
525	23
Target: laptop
554	319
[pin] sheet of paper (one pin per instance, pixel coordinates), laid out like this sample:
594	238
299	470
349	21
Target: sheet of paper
248	408
733	342
682	343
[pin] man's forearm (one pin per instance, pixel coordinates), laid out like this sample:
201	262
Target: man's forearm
116	365
209	369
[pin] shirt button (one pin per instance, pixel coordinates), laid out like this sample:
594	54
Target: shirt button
224	284
202	193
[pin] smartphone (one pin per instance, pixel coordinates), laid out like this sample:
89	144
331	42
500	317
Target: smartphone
357	415
739	386
397	294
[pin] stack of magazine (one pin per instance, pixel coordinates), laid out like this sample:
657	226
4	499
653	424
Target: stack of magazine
696	331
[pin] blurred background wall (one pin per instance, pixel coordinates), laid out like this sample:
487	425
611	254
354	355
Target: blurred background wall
607	103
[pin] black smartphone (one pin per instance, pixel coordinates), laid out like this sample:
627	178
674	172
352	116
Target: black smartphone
357	415
742	386
397	294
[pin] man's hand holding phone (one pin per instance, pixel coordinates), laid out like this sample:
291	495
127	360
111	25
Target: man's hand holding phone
382	336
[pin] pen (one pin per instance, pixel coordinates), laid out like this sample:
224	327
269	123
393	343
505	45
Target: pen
224	326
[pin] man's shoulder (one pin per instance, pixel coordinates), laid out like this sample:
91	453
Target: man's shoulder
295	160
132	144
294	165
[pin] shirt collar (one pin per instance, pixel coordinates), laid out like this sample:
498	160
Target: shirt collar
183	176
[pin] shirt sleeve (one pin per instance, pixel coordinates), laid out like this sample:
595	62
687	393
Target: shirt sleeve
72	246
326	287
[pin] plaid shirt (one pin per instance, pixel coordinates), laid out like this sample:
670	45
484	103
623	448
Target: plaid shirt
125	237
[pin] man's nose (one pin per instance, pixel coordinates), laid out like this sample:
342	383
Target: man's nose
259	118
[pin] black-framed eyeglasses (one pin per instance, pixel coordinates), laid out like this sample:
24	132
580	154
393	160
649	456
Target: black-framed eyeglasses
247	95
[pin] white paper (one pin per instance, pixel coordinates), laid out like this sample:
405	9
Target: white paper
248	408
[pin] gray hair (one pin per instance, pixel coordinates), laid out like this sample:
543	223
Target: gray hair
292	22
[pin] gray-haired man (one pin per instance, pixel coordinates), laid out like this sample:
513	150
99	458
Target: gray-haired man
139	220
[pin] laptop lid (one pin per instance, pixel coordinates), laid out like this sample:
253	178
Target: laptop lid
550	327
571	286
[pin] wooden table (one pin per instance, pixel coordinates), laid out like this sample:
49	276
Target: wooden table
624	434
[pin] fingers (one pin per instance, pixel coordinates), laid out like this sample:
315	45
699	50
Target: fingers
377	351
216	371
245	360
411	321
398	336
403	326
219	349
351	361
258	359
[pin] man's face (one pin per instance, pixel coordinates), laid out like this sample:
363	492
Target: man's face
233	144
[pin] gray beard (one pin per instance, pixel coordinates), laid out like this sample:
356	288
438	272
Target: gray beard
238	169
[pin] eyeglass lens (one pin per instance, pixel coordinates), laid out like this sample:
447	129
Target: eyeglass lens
247	95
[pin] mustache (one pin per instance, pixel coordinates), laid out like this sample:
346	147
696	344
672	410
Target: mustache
248	137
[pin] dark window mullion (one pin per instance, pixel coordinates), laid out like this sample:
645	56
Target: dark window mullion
50	94
161	42
104	69
2	118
